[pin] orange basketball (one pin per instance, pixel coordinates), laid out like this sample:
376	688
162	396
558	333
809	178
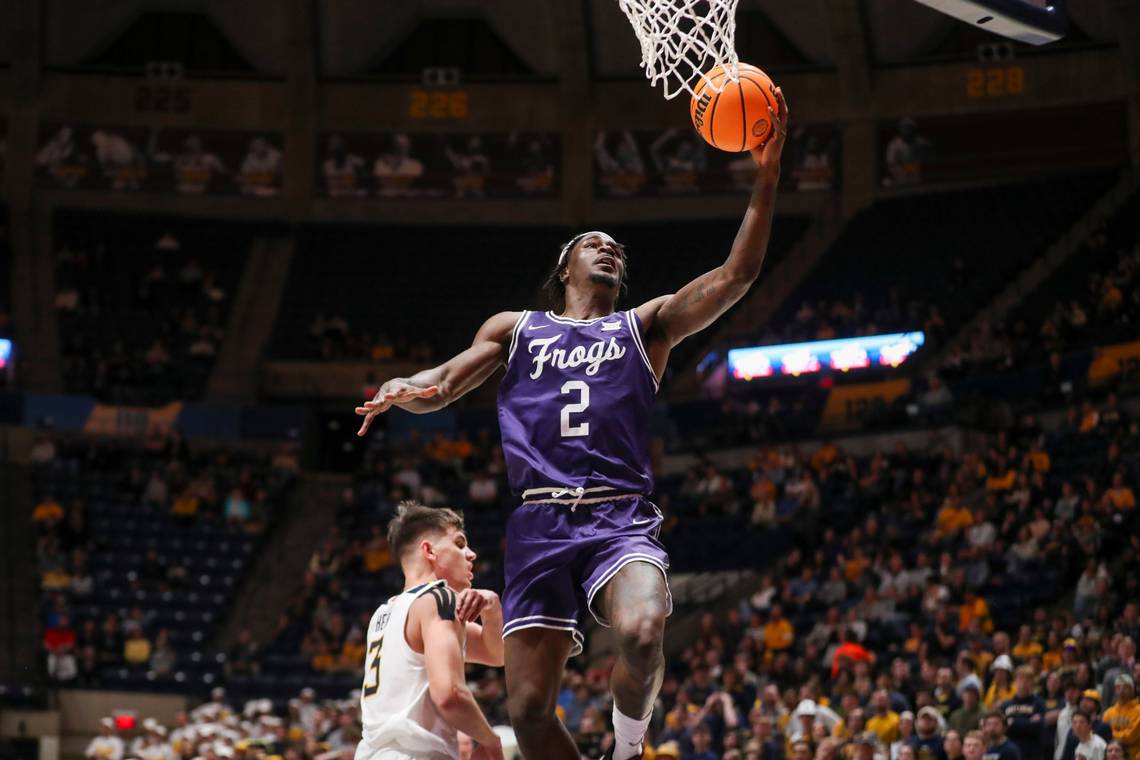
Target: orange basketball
736	118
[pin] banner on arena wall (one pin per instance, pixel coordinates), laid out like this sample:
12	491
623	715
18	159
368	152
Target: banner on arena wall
401	165
937	149
641	163
183	161
1116	364
106	419
218	421
849	405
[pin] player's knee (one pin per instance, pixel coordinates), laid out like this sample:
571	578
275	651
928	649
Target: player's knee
640	632
529	706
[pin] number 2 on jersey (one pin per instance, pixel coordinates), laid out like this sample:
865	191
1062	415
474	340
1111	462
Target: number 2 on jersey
583	403
373	659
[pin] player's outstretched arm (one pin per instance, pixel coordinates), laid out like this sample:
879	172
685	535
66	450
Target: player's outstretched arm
435	388
671	319
442	630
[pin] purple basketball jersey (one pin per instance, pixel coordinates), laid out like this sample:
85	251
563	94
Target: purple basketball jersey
575	405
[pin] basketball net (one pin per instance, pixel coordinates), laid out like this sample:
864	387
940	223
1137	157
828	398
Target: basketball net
682	39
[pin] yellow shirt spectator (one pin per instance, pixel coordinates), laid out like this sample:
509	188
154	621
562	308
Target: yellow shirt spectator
982	662
1026	652
953	518
1004	482
55	580
377	556
136	651
824	455
1040	460
1124	718
995	695
779	634
886	727
46	511
186	505
854	568
351	655
1112	294
975	610
1122	497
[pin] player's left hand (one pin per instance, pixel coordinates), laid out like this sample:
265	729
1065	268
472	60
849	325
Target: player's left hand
473	602
767	156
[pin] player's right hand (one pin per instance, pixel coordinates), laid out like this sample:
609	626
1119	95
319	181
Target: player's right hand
391	393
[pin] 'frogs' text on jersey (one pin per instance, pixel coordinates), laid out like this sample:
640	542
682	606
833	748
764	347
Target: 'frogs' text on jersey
575	405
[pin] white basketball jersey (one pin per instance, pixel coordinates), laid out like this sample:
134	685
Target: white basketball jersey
399	718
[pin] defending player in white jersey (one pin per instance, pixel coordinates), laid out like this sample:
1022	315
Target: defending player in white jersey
415	698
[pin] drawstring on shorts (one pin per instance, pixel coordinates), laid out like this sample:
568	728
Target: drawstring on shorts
578	492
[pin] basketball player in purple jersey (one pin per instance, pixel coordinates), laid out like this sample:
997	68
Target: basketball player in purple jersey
574	409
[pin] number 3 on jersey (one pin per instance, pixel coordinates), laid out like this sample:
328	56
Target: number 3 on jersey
372	673
583	403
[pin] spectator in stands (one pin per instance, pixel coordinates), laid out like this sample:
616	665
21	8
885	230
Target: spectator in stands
107	745
47	515
243	655
60	643
952	745
946	699
1025	714
927	742
1123	664
968	716
239	512
1090	703
997	745
164	659
1089	746
1065	716
43	451
778	631
1124	715
973	745
1026	647
1001	687
884	722
137	648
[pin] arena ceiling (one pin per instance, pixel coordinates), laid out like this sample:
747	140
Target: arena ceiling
354	34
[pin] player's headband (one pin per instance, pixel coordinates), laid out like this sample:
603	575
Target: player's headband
573	242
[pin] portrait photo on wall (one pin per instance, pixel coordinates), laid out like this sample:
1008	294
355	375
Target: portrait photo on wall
645	163
183	161
399	165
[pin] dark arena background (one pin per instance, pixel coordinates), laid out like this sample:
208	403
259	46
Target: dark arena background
898	478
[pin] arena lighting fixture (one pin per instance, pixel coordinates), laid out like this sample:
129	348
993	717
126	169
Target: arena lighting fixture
841	355
5	352
1036	22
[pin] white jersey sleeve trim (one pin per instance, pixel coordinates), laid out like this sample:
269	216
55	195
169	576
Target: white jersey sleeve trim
515	333
631	318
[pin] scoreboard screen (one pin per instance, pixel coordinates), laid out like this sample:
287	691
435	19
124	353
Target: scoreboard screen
841	355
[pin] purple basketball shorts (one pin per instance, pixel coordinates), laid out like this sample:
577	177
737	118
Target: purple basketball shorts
558	558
